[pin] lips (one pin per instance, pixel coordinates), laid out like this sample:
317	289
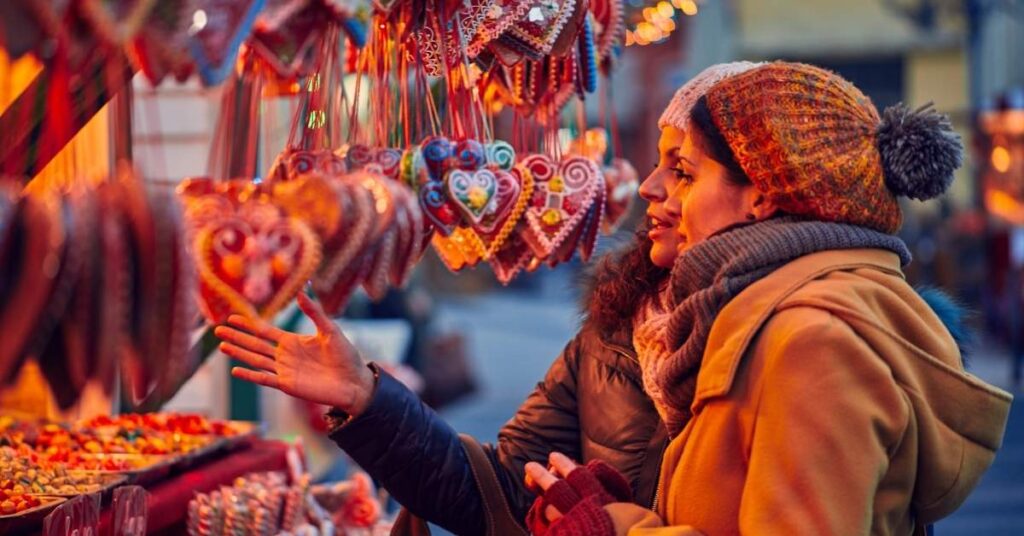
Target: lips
657	224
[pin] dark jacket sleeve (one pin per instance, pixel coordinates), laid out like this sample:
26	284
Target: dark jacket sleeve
406	446
418	458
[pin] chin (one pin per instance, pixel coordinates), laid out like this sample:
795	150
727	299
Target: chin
662	257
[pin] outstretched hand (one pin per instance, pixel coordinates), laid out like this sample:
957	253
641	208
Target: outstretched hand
324	368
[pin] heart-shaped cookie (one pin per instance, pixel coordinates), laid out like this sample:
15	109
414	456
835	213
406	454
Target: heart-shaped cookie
609	26
497	17
436	209
511	258
621	183
162	270
437	152
291	164
32	257
469	154
358	156
346	244
515	189
460	250
540	27
386	161
409	244
471	192
162	45
500	155
253	262
216	37
560	201
285	36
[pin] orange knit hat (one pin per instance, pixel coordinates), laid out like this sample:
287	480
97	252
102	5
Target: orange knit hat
816	146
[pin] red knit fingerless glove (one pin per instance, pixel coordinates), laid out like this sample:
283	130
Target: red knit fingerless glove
580	497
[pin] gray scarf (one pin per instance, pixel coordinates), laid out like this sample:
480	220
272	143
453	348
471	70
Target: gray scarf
708	276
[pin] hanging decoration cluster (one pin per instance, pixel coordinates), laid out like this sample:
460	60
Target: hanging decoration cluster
394	149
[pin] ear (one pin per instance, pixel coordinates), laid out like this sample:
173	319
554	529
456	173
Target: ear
762	207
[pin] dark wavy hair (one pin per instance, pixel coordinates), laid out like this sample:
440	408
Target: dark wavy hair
622	282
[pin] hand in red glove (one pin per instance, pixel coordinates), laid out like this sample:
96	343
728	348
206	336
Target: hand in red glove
580	494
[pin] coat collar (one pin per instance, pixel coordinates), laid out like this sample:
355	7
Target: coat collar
739	321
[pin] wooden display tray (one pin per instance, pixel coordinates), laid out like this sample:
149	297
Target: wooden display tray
33	517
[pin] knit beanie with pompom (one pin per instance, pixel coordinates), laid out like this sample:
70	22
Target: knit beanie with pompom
816	146
677	114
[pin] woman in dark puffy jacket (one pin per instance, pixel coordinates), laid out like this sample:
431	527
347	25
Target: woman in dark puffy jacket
590	404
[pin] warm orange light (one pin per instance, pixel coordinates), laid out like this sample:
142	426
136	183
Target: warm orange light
689	7
666	26
651	14
630	40
665	9
648	31
640	39
1000	159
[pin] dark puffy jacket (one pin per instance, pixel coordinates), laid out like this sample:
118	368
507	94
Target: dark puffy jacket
591	405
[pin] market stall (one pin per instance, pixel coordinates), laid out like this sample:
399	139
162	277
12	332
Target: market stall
457	127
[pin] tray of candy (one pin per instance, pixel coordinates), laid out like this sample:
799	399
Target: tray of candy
87	483
138	469
28	517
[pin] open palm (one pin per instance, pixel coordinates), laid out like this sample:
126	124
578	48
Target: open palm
324	368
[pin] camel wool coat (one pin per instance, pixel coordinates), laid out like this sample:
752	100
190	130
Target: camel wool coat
831	400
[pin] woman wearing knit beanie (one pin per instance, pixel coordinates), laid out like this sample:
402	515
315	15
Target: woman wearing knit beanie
589	404
807	388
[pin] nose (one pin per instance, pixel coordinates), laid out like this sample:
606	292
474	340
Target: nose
652	189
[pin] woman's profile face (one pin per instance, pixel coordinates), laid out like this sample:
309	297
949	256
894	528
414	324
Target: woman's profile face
655	189
705	198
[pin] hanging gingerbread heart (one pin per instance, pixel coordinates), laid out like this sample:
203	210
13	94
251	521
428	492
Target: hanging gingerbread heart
386	161
295	163
560	201
498	16
71	356
500	155
471	192
510	259
376	282
537	31
358	156
162	45
315	199
434	202
515	190
587	57
460	250
217	34
469	154
163	281
609	26
253	262
409	243
31	256
285	35
621	183
354	231
437	153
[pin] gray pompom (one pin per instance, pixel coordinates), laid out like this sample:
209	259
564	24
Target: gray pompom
919	151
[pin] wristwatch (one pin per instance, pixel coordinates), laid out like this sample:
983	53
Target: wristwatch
337	418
